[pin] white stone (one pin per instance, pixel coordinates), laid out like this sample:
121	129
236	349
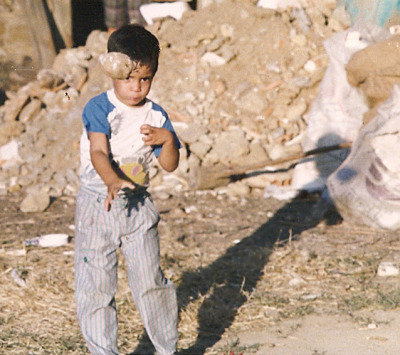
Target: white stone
387	269
310	66
152	11
278	4
9	154
213	59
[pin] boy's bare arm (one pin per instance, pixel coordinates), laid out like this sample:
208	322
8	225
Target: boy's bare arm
169	156
99	155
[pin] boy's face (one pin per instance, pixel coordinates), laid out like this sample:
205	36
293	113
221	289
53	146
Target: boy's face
133	91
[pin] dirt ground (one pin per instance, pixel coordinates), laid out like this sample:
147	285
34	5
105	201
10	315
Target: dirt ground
253	276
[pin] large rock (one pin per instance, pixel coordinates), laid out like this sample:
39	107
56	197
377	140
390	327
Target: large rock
36	201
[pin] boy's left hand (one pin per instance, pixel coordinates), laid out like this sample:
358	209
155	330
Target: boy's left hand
169	156
155	136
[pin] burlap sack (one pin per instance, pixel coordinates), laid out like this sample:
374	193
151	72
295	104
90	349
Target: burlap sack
375	69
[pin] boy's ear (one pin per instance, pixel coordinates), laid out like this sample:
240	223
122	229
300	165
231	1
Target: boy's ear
117	65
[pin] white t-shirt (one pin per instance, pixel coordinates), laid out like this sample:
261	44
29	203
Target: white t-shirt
121	124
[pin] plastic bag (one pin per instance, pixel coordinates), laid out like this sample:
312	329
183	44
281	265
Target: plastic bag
380	12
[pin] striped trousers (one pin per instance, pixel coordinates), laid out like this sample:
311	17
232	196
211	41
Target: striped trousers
131	224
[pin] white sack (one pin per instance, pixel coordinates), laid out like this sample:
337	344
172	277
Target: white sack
366	187
336	115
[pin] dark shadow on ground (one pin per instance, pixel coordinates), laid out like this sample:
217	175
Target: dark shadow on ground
225	281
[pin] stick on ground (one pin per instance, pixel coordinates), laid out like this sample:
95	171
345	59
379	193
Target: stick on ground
204	178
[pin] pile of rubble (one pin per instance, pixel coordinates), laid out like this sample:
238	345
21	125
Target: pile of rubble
236	79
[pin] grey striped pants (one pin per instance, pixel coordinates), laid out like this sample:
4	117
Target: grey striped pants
132	225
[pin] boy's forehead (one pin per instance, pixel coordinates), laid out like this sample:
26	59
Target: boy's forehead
141	69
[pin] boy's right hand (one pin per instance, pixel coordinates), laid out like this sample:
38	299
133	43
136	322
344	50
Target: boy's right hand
113	189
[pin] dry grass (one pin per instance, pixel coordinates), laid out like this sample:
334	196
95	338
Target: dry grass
236	267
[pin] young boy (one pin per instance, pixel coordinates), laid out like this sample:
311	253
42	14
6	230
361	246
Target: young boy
123	131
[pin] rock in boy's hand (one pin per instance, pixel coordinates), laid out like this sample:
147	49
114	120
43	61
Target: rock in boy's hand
154	135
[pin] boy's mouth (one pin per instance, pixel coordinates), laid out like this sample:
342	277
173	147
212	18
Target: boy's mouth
137	100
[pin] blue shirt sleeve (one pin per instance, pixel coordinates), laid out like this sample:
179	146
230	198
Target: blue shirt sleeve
95	114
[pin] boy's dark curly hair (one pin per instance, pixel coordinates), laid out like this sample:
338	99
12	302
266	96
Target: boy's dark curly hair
136	42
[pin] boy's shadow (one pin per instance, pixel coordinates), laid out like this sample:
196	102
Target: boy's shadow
224	282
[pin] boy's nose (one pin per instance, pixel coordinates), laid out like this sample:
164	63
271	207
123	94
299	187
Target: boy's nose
136	87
